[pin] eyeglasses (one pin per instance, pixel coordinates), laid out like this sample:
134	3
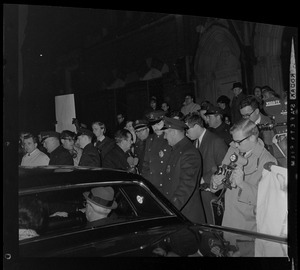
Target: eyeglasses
240	141
246	116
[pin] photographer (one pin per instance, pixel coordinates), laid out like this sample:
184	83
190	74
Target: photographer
241	194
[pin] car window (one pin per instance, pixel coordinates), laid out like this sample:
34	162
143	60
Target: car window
63	210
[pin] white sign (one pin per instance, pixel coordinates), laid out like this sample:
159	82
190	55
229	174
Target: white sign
65	112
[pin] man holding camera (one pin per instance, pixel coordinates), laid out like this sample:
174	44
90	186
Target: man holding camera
241	193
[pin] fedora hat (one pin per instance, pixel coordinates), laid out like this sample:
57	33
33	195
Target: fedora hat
101	196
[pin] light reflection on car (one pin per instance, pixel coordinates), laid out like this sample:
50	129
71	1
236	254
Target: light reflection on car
145	223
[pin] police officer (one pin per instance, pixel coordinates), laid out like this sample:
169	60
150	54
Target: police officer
183	172
157	151
141	129
58	154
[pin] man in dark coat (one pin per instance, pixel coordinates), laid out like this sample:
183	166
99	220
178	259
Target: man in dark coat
215	120
237	89
117	157
157	151
181	181
58	154
212	149
90	156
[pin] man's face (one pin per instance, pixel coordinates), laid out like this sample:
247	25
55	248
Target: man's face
83	140
243	142
97	130
169	135
213	120
120	118
68	143
153	104
193	132
188	100
221	105
49	144
126	144
29	145
157	127
142	133
164	107
248	113
236	91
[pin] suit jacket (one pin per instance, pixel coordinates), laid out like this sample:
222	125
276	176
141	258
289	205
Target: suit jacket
181	181
213	150
61	156
90	156
116	159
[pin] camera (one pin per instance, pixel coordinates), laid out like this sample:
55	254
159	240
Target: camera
226	170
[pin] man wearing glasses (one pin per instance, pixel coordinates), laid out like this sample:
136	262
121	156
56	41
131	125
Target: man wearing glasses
249	109
241	196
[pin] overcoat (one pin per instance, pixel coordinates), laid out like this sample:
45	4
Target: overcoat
240	203
90	156
116	158
157	152
181	181
61	156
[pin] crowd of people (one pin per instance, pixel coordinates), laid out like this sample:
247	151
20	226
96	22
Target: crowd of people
179	152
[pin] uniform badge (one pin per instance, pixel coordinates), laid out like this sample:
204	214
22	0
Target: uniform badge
161	153
168	169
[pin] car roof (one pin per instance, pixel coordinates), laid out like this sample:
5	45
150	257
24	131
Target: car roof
33	177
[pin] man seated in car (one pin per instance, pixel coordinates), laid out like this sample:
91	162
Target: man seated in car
99	203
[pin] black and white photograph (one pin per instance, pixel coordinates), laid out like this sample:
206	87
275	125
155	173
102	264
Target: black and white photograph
146	134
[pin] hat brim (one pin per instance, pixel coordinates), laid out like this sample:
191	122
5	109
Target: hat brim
114	205
151	123
137	128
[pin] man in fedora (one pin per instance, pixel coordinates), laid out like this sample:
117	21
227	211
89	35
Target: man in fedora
157	151
238	95
90	155
183	171
58	154
99	203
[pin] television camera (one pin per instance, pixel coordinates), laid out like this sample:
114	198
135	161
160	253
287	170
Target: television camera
276	108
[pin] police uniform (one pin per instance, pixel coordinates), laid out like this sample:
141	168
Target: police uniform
140	145
183	172
157	152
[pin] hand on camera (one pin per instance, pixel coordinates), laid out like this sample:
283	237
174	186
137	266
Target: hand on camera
216	180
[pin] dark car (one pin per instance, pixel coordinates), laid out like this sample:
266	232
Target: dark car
144	223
